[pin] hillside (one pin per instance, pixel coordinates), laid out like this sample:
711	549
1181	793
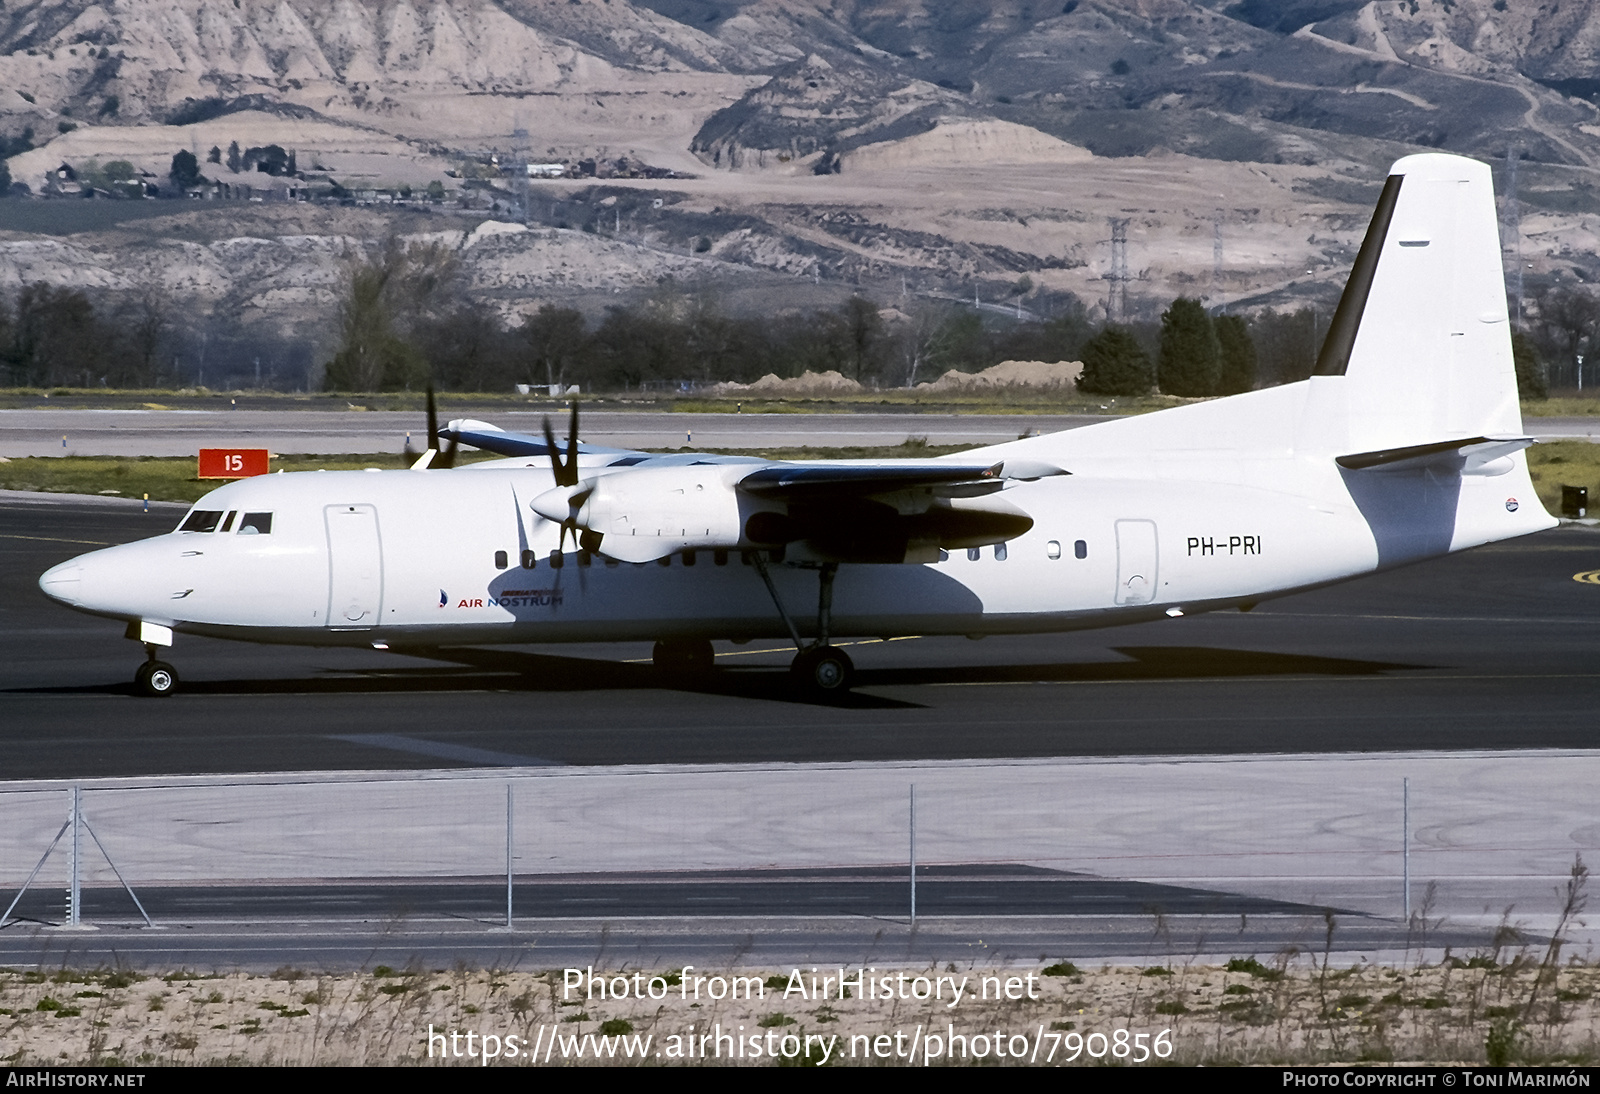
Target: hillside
942	149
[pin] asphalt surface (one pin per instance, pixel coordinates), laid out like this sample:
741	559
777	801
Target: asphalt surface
48	431
1491	649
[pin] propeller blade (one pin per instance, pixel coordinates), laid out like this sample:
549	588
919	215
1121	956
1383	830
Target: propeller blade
564	469
433	420
572	446
447	458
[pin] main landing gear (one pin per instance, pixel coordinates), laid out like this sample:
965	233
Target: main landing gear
155	678
683	657
819	670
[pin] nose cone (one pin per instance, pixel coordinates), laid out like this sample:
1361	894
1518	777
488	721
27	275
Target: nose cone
62	582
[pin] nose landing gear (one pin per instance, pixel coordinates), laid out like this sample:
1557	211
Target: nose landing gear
155	678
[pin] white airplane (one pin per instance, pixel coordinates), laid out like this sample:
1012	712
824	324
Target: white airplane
1405	444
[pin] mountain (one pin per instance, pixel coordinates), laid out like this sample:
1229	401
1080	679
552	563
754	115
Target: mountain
951	148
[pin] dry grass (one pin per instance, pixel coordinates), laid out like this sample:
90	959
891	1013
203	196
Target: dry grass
1509	1007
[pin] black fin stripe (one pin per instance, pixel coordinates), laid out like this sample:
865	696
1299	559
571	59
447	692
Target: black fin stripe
1341	339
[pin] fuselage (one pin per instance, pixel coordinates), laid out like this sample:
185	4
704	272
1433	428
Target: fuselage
409	558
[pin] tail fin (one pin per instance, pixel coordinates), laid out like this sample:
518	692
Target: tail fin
1419	351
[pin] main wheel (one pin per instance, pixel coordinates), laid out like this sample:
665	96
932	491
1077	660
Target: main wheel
823	671
684	656
156	678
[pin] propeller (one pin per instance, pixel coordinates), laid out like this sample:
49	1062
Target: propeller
447	457
565	470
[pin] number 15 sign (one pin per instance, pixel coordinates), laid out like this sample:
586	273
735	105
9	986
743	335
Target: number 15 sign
233	463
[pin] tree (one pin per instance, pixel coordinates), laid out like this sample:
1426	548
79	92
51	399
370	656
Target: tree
1191	358
1532	379
1569	321
1114	364
5	180
1286	345
215	155
865	331
235	160
553	339
185	170
1237	366
384	298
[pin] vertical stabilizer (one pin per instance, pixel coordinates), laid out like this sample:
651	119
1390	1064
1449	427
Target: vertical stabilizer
1420	348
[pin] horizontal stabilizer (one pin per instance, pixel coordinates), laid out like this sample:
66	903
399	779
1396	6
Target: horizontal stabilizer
1470	455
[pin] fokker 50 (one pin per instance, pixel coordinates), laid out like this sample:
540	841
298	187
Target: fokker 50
1406	443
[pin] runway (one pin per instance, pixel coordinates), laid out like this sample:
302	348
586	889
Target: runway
42	431
1494	648
183	432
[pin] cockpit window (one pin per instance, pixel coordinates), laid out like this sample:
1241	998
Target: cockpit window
227	524
256	524
202	520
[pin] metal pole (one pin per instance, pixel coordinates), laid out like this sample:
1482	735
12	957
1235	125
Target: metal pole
1405	841
114	870
913	854
508	856
6	916
74	893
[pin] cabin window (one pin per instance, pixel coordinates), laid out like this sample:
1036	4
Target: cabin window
255	524
202	520
1080	549
529	559
612	564
499	560
973	554
688	558
999	552
664	560
1053	549
719	557
227	522
585	558
557	560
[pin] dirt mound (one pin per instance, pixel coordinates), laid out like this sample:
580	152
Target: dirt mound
807	383
1034	374
964	142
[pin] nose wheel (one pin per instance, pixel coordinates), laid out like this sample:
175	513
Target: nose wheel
156	678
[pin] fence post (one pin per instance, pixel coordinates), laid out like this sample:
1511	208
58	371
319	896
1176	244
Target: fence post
74	888
913	854
1405	843
508	856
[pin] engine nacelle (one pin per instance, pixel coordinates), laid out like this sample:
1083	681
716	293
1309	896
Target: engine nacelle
649	513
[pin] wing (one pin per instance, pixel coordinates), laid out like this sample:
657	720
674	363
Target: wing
491	438
839	511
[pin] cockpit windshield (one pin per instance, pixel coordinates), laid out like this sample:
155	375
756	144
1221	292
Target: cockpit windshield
201	520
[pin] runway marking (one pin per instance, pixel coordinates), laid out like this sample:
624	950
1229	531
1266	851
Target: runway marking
441	751
1588	577
1413	677
1414	618
57	539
